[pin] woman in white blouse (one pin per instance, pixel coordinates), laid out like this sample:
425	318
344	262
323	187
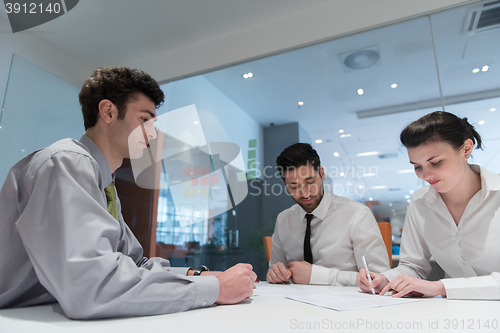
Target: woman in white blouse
456	219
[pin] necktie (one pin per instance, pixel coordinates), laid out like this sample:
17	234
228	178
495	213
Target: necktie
111	199
307	240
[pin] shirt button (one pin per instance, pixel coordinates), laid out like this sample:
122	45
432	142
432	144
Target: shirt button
204	303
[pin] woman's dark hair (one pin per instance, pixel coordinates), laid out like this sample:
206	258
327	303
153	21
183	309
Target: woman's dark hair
297	155
440	126
119	85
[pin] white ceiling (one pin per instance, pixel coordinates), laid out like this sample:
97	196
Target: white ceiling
122	31
315	75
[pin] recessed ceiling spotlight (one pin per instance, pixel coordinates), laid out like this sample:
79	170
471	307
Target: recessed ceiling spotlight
493	109
371	199
23	150
196	122
407	196
476	70
411	191
318	141
408	201
379	187
360	186
336	154
301	103
345	135
390	204
341	131
393	86
485	68
247	75
360	92
481	122
341	174
250	74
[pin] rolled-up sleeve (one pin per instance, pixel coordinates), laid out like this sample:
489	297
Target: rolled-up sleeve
72	242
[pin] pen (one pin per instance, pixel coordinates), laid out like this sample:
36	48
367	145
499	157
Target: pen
368	273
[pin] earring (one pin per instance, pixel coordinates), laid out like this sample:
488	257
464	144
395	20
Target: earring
467	156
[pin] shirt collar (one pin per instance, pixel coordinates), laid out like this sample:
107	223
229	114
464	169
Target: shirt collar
489	182
320	211
96	153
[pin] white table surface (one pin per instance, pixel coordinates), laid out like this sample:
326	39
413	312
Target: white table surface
274	314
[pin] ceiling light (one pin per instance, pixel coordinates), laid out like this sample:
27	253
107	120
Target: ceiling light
345	135
336	154
485	68
493	109
408	201
475	70
406	171
196	122
318	141
371	199
411	191
341	174
370	153
360	186
250	74
481	122
370	174
301	103
360	92
23	150
390	204
394	85
341	131
407	196
245	76
379	187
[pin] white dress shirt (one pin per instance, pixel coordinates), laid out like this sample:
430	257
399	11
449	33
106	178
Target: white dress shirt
468	253
58	242
342	231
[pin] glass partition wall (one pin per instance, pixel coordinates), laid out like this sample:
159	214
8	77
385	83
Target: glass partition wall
352	95
349	97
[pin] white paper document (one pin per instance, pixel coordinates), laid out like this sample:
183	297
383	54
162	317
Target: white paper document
349	301
327	298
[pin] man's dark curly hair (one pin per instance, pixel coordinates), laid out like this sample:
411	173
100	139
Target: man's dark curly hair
119	85
297	155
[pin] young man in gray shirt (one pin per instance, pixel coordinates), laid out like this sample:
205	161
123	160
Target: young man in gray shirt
62	236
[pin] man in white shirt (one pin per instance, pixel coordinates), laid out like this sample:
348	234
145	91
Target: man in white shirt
322	238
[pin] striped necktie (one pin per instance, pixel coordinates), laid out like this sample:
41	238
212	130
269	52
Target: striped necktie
111	199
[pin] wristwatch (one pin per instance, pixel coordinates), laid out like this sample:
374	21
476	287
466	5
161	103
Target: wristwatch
200	269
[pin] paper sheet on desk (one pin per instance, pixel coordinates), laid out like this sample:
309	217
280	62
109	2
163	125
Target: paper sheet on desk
327	298
348	301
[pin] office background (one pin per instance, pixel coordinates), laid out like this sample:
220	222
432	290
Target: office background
309	60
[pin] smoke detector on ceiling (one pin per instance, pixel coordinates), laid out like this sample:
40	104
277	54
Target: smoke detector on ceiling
360	59
482	17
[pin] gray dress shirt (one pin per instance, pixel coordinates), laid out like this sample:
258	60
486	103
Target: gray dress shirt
59	243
